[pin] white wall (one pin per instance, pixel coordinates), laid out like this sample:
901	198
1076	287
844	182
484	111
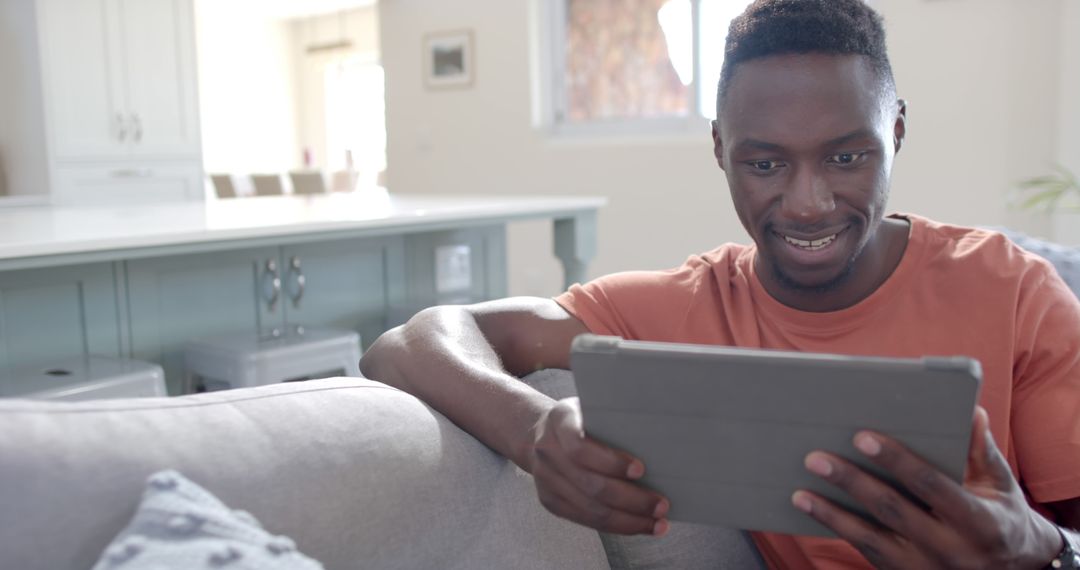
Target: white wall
246	89
982	81
981	77
1069	100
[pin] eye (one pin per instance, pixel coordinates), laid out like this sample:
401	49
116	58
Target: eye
846	158
764	165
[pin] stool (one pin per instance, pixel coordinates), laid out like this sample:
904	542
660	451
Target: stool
86	378
237	361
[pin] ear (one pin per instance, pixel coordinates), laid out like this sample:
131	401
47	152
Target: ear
718	145
900	127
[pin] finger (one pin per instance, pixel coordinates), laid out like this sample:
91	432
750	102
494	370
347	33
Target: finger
564	499
878	546
891	509
945	497
600	458
614	492
986	465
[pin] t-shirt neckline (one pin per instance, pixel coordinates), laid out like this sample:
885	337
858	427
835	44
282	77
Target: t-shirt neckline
849	317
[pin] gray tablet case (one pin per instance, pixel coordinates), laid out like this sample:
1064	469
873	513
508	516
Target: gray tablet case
723	431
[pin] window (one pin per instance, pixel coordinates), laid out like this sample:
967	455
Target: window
637	63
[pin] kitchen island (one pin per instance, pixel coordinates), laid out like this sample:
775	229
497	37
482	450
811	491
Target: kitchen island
141	281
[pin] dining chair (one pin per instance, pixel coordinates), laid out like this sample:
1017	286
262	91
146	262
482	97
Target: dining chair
267	184
223	185
308	182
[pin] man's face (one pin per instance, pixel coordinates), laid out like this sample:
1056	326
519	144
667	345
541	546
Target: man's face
807	143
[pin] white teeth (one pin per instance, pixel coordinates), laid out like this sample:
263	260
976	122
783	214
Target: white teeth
811	245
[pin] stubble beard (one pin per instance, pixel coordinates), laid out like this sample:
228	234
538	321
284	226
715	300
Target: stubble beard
790	283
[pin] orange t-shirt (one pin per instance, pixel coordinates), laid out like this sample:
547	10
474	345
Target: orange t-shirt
956	291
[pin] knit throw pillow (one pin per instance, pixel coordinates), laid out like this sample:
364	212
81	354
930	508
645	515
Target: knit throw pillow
180	525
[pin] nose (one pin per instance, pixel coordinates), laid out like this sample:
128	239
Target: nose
808	199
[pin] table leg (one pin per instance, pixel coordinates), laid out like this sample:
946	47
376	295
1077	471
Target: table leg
575	245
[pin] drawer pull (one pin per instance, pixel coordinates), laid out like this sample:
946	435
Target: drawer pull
137	126
121	128
299	279
132	173
274	279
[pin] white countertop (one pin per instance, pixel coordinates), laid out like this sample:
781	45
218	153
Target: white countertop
34	232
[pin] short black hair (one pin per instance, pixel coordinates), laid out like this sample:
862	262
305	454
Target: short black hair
777	27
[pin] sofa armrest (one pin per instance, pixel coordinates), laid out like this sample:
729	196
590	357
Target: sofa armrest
358	473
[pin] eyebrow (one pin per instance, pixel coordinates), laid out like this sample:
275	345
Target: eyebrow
856	134
770	146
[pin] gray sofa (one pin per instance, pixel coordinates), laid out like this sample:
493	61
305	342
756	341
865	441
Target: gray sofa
359	474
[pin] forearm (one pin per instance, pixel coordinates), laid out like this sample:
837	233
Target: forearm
443	358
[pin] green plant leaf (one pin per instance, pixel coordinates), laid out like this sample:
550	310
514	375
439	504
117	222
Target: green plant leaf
1047	192
1047	199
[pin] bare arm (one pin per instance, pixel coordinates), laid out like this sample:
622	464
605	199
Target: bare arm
463	361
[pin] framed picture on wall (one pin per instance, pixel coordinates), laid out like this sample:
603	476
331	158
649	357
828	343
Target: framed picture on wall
448	59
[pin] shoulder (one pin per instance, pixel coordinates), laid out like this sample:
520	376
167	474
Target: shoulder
986	252
695	271
649	304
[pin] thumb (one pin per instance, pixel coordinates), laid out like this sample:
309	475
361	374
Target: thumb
986	465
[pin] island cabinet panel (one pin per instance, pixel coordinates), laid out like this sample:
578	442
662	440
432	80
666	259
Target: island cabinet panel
56	313
176	299
455	266
346	284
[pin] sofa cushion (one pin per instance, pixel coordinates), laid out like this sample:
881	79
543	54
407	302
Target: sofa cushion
179	525
686	546
358	473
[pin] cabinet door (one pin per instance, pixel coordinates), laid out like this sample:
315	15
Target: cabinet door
83	94
159	70
174	300
348	284
48	314
458	266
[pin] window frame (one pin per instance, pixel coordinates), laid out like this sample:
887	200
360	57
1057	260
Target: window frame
553	97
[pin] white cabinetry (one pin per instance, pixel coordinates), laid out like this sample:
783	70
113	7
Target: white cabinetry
120	113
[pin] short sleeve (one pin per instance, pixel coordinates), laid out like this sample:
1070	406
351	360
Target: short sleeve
637	305
1046	392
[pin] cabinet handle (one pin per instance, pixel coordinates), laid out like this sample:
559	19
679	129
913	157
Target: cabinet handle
275	285
301	281
121	127
135	120
132	173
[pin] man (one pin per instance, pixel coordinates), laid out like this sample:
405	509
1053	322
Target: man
808	127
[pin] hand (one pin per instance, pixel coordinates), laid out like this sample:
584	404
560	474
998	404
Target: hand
580	479
984	523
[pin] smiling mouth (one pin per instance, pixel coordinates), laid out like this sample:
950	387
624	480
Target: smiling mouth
810	245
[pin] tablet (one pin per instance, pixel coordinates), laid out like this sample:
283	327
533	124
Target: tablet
724	431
